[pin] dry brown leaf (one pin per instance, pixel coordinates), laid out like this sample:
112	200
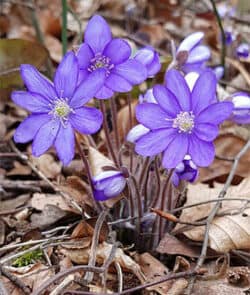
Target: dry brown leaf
81	256
33	276
39	201
14	203
48	216
123	120
86	228
227	232
77	189
19	169
228	146
153	270
223	286
47	165
171	245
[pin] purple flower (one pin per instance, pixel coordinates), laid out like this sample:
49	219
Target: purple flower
182	122
108	184
57	109
186	170
101	51
241	110
243	50
230	36
197	54
150	59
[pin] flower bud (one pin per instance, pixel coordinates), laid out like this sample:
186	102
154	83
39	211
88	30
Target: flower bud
136	132
243	50
186	170
150	59
197	54
241	111
106	183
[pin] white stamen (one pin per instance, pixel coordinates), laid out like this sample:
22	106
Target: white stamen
184	121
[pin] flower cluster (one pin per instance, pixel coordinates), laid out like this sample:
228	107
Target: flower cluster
179	119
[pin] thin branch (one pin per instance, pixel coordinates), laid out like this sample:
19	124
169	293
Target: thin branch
64	273
89	275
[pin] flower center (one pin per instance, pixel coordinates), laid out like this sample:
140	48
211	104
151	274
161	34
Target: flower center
101	62
60	109
184	121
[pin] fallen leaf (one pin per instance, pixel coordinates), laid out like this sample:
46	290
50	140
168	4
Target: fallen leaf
13	53
33	276
81	256
47	165
227	232
227	146
50	215
222	286
19	169
153	270
14	203
40	201
171	245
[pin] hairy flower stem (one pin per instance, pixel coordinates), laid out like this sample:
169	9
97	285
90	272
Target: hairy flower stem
142	180
158	182
64	26
114	119
86	165
166	198
106	131
131	150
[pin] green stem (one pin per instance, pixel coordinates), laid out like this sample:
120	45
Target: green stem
64	26
223	36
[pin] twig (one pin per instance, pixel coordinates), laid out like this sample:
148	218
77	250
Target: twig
58	290
64	26
119	276
64	273
15	280
89	275
207	202
32	242
169	277
223	36
26	185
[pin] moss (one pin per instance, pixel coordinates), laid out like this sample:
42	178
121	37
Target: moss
28	258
